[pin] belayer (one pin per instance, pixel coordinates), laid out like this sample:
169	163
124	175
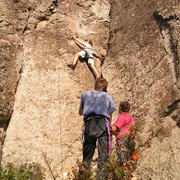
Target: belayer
97	107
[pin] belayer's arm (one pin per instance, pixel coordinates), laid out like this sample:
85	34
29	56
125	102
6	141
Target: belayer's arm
114	129
80	111
110	117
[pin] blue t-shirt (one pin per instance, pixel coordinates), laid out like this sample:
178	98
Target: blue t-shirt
98	102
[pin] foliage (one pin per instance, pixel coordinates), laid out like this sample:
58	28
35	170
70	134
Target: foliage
113	169
121	171
24	172
81	172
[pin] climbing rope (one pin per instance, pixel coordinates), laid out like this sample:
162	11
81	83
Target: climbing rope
60	124
71	27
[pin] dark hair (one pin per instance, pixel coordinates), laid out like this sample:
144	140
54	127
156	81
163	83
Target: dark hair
124	106
90	42
101	84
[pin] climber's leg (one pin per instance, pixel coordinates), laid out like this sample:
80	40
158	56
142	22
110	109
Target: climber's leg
91	65
76	58
94	71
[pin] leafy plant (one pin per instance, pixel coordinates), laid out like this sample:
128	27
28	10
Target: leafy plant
24	172
81	172
113	169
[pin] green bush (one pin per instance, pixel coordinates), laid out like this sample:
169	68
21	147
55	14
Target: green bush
24	172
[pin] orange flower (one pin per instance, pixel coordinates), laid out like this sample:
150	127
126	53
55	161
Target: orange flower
135	155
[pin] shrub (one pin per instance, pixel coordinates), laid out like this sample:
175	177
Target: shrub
88	173
114	170
24	172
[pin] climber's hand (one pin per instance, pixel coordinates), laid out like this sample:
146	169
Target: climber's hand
102	58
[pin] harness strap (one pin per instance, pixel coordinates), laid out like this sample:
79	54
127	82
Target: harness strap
109	136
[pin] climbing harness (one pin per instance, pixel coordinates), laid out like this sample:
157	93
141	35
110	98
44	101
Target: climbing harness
95	129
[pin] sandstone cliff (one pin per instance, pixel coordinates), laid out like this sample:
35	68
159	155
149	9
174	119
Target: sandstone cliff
40	94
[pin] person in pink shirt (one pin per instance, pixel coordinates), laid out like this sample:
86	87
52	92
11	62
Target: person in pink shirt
122	129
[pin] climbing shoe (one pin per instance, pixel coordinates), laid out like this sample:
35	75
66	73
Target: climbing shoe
71	66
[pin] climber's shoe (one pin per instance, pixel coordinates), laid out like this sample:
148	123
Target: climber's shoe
72	66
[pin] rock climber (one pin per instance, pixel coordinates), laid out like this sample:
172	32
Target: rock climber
86	52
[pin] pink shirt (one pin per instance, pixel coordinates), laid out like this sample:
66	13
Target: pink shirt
124	123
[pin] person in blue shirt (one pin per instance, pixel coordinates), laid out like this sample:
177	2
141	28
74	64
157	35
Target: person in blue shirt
97	107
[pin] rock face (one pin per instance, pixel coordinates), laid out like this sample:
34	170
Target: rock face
143	65
45	123
40	94
11	60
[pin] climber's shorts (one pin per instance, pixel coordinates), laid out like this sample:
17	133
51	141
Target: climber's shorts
91	61
82	54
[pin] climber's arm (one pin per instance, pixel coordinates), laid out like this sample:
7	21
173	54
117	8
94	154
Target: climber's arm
100	57
97	55
80	42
